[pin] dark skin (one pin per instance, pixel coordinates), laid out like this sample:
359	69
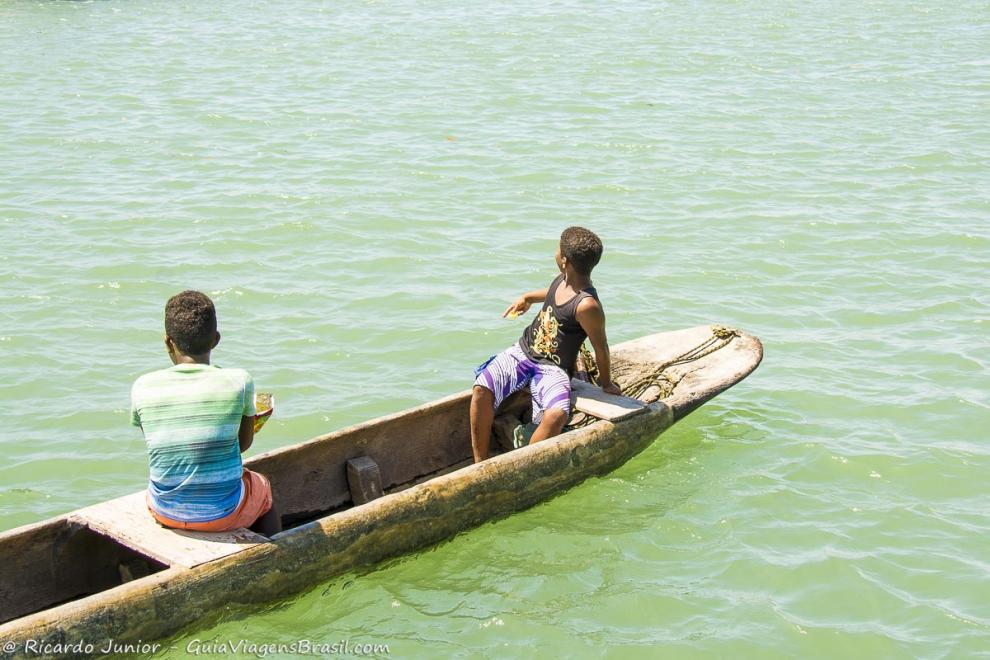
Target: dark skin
590	315
271	522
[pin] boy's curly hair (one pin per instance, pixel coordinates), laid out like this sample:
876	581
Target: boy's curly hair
191	322
582	248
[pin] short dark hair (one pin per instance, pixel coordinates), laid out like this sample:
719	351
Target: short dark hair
191	322
582	248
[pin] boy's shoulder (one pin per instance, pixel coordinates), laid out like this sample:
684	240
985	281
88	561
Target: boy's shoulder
235	374
590	306
237	377
163	377
593	295
151	377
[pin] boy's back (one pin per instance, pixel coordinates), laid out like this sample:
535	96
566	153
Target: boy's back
197	419
190	414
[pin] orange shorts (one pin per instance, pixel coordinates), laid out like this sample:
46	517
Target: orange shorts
256	502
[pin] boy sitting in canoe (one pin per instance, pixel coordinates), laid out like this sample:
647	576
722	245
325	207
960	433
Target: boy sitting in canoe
545	355
197	419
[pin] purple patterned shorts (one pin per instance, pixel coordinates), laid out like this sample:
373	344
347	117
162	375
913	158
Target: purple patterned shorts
511	370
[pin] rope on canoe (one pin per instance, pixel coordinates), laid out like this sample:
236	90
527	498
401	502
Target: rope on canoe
587	364
721	336
639	386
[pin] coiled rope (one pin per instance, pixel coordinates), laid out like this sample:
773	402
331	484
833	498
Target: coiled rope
640	385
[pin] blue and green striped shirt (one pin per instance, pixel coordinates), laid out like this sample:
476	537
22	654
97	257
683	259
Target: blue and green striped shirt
190	415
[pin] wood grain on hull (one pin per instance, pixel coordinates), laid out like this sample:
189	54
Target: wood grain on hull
310	482
164	603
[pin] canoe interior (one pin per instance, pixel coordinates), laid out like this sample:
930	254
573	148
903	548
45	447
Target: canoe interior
60	560
309	480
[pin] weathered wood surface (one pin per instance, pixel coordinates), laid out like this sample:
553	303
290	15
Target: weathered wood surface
311	477
58	560
364	479
403	520
159	605
699	380
127	520
591	400
26	558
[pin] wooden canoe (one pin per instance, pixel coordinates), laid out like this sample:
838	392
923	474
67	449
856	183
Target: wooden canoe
109	572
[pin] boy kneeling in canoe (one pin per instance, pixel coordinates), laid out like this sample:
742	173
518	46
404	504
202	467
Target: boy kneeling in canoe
197	419
545	355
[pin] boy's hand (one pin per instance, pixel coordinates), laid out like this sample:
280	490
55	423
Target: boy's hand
611	388
521	306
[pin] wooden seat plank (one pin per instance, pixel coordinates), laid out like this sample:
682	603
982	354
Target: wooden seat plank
591	400
127	520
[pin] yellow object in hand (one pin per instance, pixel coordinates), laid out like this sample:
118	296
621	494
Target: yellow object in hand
513	315
265	406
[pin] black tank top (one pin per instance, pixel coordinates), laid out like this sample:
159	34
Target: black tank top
555	336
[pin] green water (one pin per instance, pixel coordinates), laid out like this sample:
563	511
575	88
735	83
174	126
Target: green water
363	187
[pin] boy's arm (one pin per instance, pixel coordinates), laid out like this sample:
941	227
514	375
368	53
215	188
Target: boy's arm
591	316
245	434
524	301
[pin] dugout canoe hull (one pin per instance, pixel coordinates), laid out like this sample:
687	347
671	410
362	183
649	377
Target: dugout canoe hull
409	517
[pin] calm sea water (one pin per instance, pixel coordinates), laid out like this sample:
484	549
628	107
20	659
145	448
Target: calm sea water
363	186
